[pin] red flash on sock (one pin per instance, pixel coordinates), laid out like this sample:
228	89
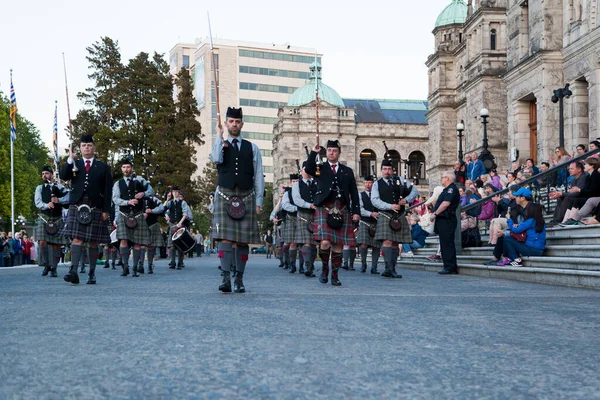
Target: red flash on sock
221	254
244	257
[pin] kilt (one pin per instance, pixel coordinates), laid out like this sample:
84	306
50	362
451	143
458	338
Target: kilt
95	232
364	237
279	234
302	234
138	235
344	235
170	232
41	234
243	230
156	239
384	232
289	231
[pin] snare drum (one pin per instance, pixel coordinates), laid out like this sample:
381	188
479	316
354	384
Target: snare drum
116	243
183	240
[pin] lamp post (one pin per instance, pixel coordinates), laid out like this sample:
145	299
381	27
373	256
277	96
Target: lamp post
559	95
460	127
486	157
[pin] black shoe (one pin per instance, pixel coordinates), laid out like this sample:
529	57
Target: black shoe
374	271
395	274
125	271
351	268
72	277
345	266
293	269
171	266
363	269
134	273
180	267
286	266
281	265
238	284
45	271
113	266
301	270
448	272
323	278
53	273
82	270
120	263
106	265
570	221
150	271
387	273
91	280
225	287
140	270
335	282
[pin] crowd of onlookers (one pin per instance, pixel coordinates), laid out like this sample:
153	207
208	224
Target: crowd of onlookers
17	250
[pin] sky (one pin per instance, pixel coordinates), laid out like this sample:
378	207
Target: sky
374	49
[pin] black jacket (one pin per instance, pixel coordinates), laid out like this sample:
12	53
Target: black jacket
99	186
345	178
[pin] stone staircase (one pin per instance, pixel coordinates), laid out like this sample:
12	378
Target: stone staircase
572	258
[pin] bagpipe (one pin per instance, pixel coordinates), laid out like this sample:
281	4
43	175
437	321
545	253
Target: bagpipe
401	190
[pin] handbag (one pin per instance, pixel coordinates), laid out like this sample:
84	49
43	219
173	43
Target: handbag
519	237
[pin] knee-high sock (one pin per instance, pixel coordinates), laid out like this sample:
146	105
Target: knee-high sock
150	257
93	252
336	260
124	256
346	256
300	258
53	257
136	259
75	257
173	255
241	258
363	255
142	256
180	257
352	256
307	252
293	255
286	254
324	254
388	255
395	254
44	256
113	255
225	256
375	256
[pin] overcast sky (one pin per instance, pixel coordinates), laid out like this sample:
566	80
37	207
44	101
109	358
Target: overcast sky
374	52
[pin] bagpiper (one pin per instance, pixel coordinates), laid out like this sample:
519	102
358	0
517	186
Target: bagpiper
239	198
391	194
89	206
50	197
368	227
179	214
303	193
153	209
289	232
337	207
278	218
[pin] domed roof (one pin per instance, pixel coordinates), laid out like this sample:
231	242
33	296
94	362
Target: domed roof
454	13
306	94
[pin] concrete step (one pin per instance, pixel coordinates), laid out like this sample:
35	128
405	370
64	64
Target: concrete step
551	251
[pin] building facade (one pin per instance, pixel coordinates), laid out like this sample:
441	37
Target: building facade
258	77
361	126
509	56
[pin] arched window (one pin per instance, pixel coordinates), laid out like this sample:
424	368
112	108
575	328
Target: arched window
368	162
395	158
416	165
493	39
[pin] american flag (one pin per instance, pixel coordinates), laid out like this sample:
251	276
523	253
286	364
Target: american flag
13	111
55	138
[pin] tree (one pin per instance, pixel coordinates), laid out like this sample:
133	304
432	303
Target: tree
264	223
30	155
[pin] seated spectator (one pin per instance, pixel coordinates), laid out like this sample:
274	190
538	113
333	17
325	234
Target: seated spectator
488	209
561	157
469	165
548	180
478	167
463	197
479	187
579	150
571	197
516	167
530	164
418	236
469	184
591	192
533	227
495	179
504	205
499	230
593	146
511	179
460	173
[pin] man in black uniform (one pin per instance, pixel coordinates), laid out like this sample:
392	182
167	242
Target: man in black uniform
303	194
446	222
368	228
89	209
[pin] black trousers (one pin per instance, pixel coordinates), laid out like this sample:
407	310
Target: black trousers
446	229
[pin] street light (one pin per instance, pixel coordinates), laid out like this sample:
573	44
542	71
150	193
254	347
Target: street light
486	157
460	127
558	96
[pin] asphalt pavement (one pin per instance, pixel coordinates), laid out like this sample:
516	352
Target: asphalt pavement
172	335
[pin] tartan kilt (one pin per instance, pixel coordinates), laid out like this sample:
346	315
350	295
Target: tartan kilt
302	233
156	239
41	234
279	238
138	235
170	232
95	232
243	230
289	232
364	237
344	235
384	232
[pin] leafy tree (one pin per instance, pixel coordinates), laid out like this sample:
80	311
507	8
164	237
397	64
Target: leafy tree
264	223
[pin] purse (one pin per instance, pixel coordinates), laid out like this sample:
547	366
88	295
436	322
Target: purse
519	237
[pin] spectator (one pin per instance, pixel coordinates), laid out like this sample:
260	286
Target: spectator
207	246
469	166
469	184
548	180
534	228
34	250
495	179
418	236
478	168
26	251
530	164
516	167
571	197
479	187
511	179
593	146
17	248
579	150
463	197
460	170
500	231
591	192
199	243
506	205
488	209
4	250
561	156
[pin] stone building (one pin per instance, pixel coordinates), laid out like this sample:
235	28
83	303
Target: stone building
509	56
360	125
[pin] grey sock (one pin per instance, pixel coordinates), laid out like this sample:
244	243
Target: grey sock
124	256
352	256
293	255
142	257
300	258
307	251
136	258
346	255
173	255
180	257
93	257
225	256
44	256
241	258
286	254
363	255
53	257
387	257
75	257
375	256
150	257
395	254
113	255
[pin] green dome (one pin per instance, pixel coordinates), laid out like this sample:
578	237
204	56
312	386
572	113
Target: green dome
306	94
454	13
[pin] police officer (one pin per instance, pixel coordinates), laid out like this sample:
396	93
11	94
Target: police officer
446	222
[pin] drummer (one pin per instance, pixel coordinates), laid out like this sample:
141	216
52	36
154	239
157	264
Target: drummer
128	196
153	209
179	215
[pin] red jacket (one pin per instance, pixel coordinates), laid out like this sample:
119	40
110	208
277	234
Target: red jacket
27	247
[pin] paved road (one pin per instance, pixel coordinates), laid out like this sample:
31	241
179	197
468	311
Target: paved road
172	335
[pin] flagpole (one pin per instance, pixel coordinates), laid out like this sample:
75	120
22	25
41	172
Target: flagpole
13	119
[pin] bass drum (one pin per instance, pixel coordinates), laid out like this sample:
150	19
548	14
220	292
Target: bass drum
116	243
183	240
